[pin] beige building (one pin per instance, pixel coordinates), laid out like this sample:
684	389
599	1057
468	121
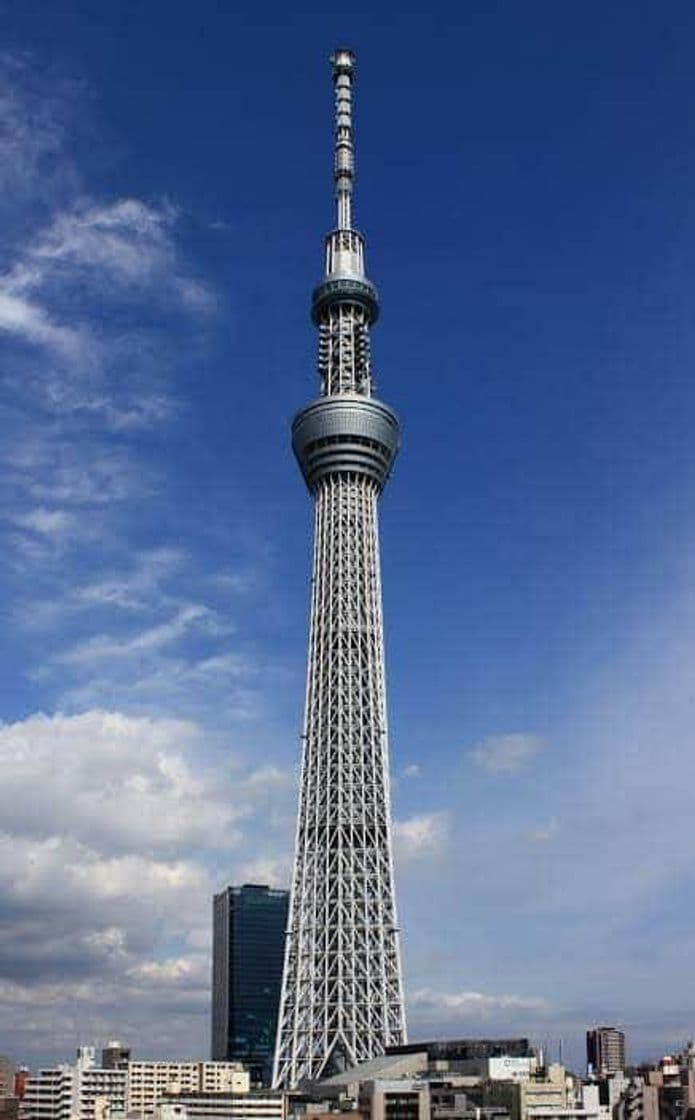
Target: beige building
149	1083
395	1099
259	1104
527	1097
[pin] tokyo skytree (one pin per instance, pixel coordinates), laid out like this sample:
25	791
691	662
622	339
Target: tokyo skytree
342	995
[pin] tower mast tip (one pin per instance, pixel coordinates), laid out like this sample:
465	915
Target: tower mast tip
343	61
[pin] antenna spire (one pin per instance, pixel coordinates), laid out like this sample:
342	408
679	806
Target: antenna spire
343	63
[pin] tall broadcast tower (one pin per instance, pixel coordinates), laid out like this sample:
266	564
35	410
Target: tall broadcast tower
342	997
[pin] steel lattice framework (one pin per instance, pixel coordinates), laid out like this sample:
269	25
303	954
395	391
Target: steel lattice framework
342	997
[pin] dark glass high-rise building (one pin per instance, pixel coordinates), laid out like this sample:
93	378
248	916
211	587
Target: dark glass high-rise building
248	941
605	1050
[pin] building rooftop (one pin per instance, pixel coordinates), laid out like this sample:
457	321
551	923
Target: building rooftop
386	1066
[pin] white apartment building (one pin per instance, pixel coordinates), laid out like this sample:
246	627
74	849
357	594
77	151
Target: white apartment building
257	1105
74	1092
85	1091
48	1094
93	1086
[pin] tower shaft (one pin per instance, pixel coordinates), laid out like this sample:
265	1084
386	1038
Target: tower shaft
342	1000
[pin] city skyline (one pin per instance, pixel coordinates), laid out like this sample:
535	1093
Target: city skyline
526	177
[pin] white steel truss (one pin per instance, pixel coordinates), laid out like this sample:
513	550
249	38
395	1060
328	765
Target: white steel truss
342	998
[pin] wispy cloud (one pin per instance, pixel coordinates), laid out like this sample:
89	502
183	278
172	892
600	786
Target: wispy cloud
506	754
422	836
46	522
102	647
412	770
38	116
474	1004
62	295
432	1012
133	589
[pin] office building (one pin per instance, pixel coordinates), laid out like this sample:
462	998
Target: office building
115	1055
451	1053
249	926
605	1050
342	994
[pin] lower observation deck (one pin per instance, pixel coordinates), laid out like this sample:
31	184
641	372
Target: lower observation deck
345	434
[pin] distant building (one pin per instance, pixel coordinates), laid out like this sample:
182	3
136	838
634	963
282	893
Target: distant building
93	1085
397	1086
455	1050
9	1107
261	1104
151	1083
675	1086
48	1094
170	1111
9	1102
497	1069
73	1092
448	1101
605	1050
7	1072
374	1095
20	1081
399	1099
541	1096
637	1102
115	1055
248	944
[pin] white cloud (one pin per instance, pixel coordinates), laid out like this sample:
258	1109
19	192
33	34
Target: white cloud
506	754
38	111
29	321
46	466
412	770
128	784
134	589
275	871
53	523
186	618
103	256
126	242
115	836
473	1006
177	972
422	836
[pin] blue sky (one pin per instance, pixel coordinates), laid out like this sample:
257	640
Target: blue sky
525	180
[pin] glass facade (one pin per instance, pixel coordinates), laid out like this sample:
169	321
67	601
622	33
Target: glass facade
249	925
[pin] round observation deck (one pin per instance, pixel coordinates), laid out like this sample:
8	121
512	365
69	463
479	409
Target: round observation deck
345	435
